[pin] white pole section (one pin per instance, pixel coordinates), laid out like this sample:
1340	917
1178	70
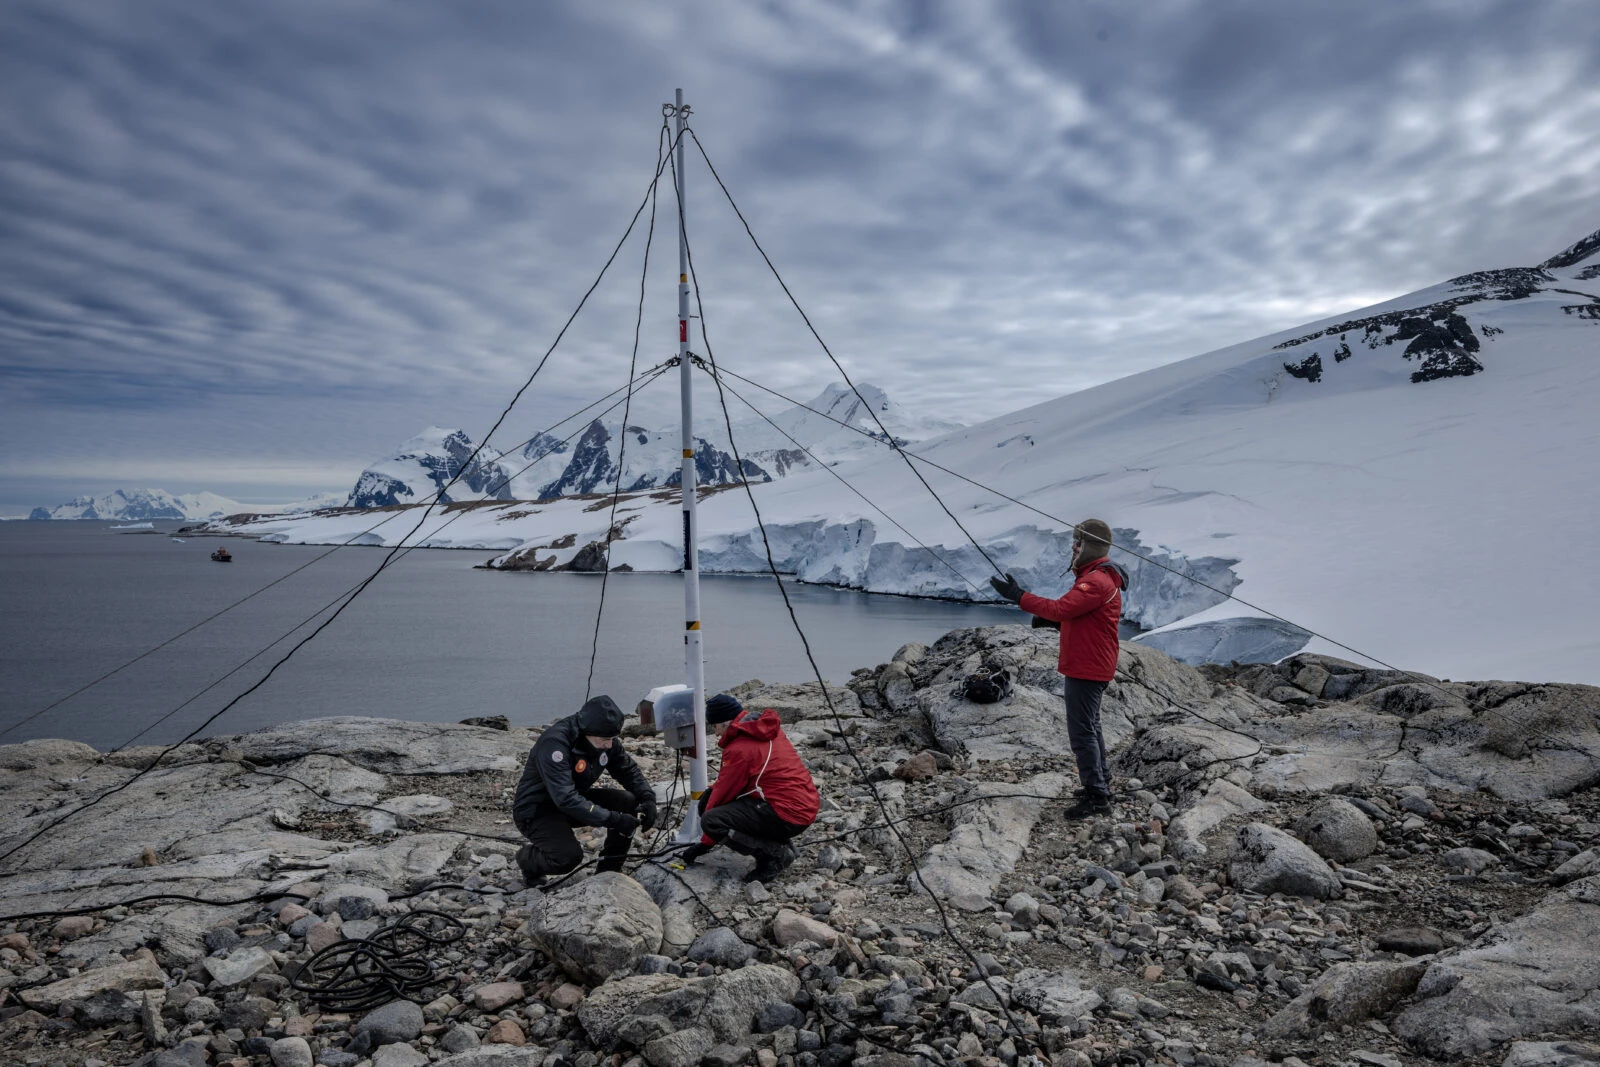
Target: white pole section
693	655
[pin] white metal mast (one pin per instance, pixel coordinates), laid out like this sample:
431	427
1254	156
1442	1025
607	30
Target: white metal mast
693	656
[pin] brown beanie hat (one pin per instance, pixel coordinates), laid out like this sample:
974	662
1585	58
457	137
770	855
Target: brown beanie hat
1096	537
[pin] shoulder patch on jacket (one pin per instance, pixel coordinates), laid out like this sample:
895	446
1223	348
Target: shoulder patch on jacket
557	756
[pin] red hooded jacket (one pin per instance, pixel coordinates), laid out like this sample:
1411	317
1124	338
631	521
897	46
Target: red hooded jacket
1088	614
758	760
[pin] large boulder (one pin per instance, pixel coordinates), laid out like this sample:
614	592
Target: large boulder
1222	801
726	1003
1056	996
1337	830
1346	993
1536	974
1268	860
598	928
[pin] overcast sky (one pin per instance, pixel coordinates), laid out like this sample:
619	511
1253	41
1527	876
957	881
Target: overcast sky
250	247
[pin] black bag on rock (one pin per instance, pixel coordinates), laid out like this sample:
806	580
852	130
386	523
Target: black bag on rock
991	682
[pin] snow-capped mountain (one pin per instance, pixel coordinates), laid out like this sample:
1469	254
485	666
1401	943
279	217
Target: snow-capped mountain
548	466
124	505
424	465
143	504
1417	481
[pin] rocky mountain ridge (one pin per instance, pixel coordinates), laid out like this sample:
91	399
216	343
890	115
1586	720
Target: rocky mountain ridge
140	505
548	467
1334	865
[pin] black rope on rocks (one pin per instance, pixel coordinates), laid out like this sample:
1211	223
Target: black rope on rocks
359	974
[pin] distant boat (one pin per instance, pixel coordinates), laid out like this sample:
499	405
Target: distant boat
221	555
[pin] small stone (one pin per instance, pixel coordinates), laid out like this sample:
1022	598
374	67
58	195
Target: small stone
776	1015
765	1057
497	995
107	1009
290	914
1469	860
918	768
504	1032
291	1052
721	946
73	926
459	1038
220	939
1411	940
790	927
201	1010
566	996
726	1056
398	1056
397	1021
299	1026
321	935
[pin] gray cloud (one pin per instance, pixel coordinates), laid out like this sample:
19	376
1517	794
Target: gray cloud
304	230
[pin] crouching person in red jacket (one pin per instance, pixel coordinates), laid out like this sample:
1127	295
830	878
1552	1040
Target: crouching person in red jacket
763	797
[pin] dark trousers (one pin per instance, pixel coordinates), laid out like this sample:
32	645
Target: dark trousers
555	846
1083	734
748	825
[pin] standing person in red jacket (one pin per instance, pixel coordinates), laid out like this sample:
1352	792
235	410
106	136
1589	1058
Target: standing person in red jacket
1089	614
763	796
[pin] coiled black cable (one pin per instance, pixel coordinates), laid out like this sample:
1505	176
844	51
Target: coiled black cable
363	973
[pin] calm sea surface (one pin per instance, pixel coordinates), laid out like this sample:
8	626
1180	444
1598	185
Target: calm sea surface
431	639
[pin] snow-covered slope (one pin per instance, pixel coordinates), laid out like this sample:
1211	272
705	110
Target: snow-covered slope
1418	480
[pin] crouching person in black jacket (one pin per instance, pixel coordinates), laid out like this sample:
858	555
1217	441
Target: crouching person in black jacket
558	792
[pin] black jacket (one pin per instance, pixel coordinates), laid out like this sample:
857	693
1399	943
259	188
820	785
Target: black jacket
563	767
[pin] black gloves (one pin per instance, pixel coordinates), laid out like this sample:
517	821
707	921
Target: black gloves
649	814
1045	624
1008	588
693	852
624	823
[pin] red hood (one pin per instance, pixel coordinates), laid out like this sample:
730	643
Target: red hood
762	725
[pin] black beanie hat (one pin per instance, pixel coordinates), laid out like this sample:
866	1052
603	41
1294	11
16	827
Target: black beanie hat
722	708
600	717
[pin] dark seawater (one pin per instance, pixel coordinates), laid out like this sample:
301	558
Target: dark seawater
431	639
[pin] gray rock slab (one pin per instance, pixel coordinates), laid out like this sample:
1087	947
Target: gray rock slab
597	928
1536	974
411	806
398	1056
1056	996
1221	801
388	746
1345	993
125	977
238	966
1582	865
985	842
683	1048
1552	1054
727	1003
45	752
1268	860
496	1056
716	879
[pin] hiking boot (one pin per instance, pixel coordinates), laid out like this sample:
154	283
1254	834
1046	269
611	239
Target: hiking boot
610	863
1089	805
532	877
773	863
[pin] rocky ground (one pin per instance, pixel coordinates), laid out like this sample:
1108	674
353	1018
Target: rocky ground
1307	863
